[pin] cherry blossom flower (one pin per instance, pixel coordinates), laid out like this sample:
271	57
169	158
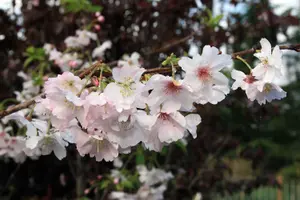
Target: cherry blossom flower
271	62
242	80
130	61
265	92
124	92
153	176
165	88
96	145
169	125
46	143
203	74
100	50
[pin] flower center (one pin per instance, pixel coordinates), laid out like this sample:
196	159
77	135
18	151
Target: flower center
267	88
249	79
164	116
203	74
172	87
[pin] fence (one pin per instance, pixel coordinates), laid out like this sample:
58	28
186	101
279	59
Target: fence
290	190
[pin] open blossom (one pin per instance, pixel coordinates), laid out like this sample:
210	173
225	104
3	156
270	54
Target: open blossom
165	88
67	82
12	147
204	76
265	92
96	145
242	80
124	92
145	192
270	66
168	125
153	176
130	61
68	61
82	38
46	143
99	51
29	89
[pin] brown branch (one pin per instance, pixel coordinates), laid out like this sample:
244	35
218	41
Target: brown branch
295	47
173	44
161	70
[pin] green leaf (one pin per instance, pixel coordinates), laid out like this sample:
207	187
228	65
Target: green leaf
181	146
140	158
28	61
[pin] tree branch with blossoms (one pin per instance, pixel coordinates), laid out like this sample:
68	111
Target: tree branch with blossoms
162	70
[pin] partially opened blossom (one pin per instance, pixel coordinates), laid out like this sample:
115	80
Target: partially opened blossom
203	74
270	65
130	61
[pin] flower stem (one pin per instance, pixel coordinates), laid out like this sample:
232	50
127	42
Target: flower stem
244	61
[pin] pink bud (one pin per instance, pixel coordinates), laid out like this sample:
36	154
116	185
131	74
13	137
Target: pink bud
86	191
73	63
116	181
95	82
36	2
2	134
97	14
97	27
101	18
99	177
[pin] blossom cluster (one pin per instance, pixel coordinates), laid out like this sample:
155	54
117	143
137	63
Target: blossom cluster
154	184
131	108
68	61
259	84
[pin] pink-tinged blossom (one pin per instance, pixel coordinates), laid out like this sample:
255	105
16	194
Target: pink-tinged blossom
67	60
168	126
126	129
270	66
97	107
242	80
202	73
265	92
130	61
12	147
97	146
66	82
165	88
